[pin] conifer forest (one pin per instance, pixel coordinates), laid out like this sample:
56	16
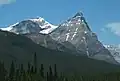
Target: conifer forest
32	73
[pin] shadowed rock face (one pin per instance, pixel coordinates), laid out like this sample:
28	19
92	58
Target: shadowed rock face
26	26
21	49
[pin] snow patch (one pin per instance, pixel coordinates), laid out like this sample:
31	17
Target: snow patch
68	34
49	30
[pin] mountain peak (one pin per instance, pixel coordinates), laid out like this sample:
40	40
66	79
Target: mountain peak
38	19
78	14
77	19
32	25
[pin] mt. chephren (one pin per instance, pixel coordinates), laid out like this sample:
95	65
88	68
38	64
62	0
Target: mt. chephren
73	35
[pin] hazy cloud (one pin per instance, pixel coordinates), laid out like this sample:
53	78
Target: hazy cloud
103	29
113	27
2	2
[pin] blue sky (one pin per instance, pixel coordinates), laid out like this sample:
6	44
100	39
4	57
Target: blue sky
103	16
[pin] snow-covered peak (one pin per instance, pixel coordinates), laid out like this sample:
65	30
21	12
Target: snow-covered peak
38	19
33	25
10	27
76	20
6	29
48	27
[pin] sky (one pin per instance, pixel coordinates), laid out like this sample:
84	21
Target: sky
103	16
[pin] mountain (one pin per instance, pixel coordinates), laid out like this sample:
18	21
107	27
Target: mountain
35	25
21	49
72	36
115	51
77	32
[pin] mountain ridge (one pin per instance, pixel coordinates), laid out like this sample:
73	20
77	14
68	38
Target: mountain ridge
74	32
115	51
39	23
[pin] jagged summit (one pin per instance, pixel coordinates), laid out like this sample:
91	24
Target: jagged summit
37	19
77	19
78	14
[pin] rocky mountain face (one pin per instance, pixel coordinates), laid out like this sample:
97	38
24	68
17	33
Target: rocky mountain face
115	51
74	35
77	32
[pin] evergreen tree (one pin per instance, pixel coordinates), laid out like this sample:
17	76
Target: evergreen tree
42	71
50	74
21	69
24	76
21	72
3	72
47	76
55	72
31	70
17	74
12	72
31	73
35	63
28	70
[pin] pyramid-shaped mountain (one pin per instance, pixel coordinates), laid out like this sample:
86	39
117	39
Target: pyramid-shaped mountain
77	32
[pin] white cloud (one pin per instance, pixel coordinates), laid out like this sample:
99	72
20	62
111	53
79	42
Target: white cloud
114	27
2	2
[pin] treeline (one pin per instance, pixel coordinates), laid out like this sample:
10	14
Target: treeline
33	73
